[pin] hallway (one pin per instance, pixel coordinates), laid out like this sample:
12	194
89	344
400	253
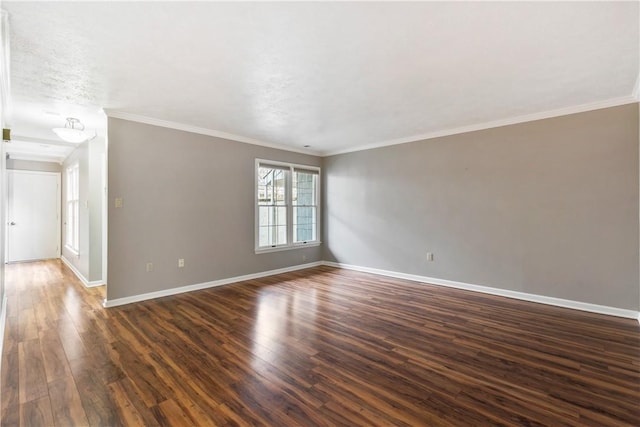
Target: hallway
51	318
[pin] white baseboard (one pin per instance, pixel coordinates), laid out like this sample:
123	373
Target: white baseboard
576	305
3	323
559	302
199	286
94	283
79	275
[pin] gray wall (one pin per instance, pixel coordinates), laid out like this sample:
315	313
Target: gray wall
548	207
185	196
30	165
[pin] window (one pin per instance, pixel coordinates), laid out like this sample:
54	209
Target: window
287	205
72	193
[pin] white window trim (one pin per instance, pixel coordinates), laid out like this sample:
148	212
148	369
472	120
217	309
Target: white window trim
290	244
73	169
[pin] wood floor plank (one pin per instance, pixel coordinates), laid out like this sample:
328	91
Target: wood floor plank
36	413
32	376
55	360
10	382
28	329
98	402
66	405
147	380
170	414
130	413
11	416
317	347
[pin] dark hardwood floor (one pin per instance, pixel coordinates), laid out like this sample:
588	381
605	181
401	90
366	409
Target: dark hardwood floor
315	347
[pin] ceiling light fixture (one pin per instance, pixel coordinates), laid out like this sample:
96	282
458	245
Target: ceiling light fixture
73	131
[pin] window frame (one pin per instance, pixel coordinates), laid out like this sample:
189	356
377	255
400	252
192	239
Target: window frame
290	168
72	208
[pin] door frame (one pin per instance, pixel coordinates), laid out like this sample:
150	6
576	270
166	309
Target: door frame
58	176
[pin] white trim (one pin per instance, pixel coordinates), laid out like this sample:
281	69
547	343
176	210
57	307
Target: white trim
559	302
310	244
613	102
85	282
72	195
541	299
94	283
636	89
3	323
289	205
36	158
493	124
30	172
199	286
203	131
18	137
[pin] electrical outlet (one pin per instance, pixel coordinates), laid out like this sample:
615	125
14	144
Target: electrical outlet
118	202
181	263
149	267
304	257
429	256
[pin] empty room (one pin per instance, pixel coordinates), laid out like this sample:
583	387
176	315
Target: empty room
320	213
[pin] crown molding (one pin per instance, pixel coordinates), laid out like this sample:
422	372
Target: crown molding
59	142
36	158
615	102
203	131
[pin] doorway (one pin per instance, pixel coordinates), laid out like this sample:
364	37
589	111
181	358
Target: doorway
33	215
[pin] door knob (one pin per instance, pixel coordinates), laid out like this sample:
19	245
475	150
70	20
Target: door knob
12	223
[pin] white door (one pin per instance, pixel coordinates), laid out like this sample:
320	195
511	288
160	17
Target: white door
33	220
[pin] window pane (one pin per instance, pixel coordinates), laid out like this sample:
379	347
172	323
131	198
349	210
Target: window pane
271	186
272	225
304	223
304	188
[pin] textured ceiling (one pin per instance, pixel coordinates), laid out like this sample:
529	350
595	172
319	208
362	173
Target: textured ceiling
335	76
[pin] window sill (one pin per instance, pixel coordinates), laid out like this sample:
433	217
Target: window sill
288	247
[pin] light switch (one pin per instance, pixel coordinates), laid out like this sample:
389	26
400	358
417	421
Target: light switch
118	202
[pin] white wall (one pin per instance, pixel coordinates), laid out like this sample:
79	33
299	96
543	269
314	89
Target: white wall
88	262
96	197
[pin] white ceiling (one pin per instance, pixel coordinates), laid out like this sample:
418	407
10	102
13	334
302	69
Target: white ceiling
335	76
